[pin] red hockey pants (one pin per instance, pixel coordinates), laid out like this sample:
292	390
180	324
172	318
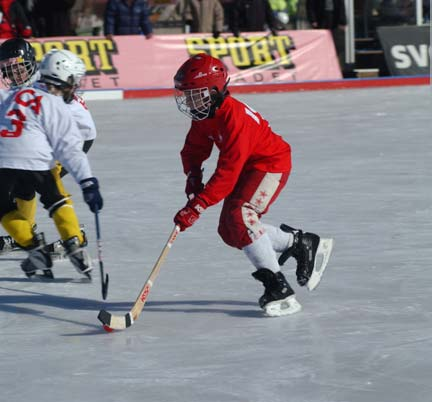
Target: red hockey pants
255	191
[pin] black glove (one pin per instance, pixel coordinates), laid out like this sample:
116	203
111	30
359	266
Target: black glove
274	32
91	194
216	34
194	184
236	33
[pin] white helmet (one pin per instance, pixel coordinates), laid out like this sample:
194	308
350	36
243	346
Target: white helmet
62	68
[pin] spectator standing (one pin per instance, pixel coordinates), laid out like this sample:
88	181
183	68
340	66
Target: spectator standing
84	19
302	21
203	16
53	18
127	17
331	15
13	21
326	14
28	6
226	5
252	15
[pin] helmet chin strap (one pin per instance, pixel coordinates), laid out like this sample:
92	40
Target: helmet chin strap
217	98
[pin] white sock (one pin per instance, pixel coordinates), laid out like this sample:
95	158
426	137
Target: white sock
261	254
280	240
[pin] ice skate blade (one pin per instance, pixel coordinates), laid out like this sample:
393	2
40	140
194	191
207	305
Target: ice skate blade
278	308
86	275
46	274
325	248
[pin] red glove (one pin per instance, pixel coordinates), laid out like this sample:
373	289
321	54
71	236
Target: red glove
190	213
194	184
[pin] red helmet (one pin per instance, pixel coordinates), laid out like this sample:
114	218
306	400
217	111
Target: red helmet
201	71
198	83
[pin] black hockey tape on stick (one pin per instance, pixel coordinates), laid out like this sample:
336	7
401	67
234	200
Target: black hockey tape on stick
104	277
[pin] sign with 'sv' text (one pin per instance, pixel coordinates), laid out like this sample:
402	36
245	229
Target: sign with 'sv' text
133	62
406	49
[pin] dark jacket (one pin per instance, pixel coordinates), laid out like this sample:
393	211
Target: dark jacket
250	16
120	19
316	13
53	17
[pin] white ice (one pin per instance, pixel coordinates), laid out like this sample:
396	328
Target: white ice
361	174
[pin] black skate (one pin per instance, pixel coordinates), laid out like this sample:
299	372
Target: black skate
306	249
38	259
278	298
7	243
78	256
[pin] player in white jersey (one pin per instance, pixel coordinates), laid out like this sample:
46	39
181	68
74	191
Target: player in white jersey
61	74
36	130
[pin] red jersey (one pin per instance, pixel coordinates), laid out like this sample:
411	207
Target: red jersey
245	141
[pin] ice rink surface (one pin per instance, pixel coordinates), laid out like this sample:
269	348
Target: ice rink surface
361	174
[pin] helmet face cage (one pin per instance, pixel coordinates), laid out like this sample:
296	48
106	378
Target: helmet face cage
17	63
194	103
17	72
197	83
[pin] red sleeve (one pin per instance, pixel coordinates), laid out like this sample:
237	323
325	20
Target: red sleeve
196	150
235	150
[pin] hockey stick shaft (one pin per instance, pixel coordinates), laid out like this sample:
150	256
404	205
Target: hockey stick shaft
122	322
142	297
104	277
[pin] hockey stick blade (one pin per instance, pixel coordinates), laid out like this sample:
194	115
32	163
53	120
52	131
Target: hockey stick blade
115	322
112	322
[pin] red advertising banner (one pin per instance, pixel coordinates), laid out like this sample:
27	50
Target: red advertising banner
132	62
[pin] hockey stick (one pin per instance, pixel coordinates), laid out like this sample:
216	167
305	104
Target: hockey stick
104	277
110	321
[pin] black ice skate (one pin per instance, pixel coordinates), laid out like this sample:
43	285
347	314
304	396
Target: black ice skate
278	298
38	258
7	244
78	256
307	248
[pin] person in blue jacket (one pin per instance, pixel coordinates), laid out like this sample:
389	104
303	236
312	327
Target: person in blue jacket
127	17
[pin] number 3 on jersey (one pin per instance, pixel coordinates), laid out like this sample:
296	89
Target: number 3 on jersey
17	117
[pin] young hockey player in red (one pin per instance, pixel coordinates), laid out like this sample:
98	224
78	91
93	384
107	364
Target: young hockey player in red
253	167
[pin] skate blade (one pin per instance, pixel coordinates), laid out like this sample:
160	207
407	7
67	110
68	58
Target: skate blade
86	274
323	253
46	274
278	308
